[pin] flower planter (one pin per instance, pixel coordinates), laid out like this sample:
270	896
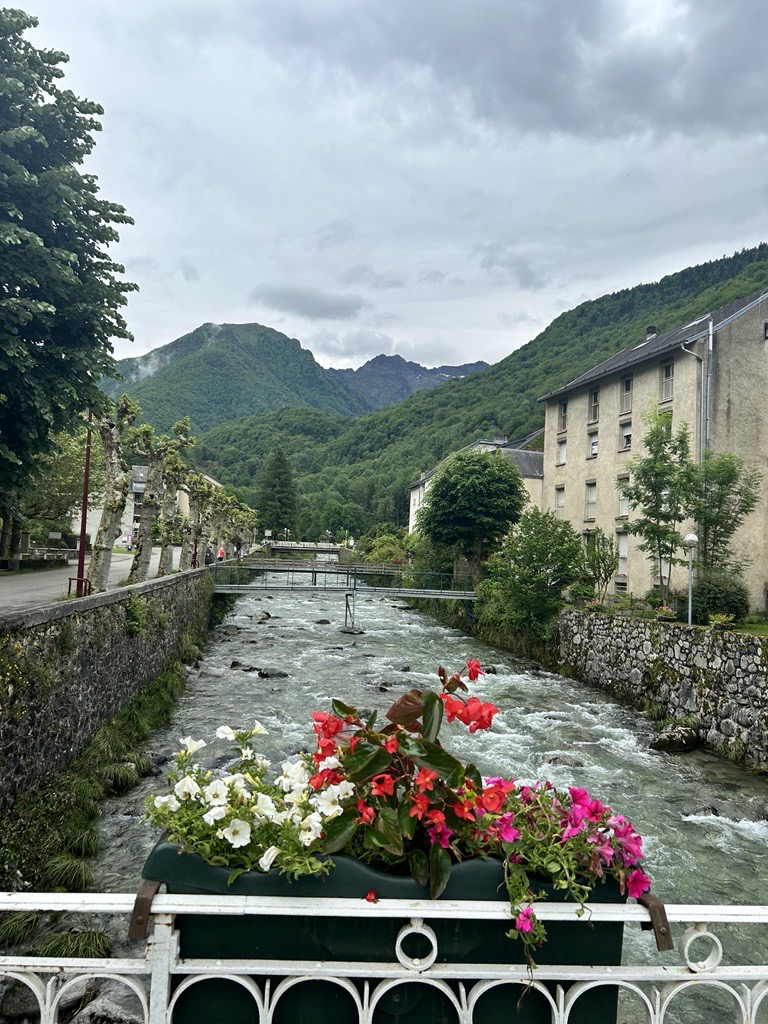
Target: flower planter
337	939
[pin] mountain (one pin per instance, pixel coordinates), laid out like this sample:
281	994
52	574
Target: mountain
386	380
358	471
221	372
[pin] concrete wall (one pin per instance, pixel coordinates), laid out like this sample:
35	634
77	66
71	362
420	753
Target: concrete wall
718	675
68	668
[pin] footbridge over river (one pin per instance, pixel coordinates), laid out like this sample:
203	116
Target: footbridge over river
322	574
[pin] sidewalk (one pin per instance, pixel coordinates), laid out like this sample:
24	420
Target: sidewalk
21	591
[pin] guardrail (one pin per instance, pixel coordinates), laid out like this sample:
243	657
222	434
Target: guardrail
651	991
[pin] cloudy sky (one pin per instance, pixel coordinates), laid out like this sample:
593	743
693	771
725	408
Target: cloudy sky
433	178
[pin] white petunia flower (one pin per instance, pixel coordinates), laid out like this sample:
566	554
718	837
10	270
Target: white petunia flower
260	763
294	774
311	828
265	862
191	745
246	754
327	803
330	762
216	813
169	801
297	795
346	790
237	833
216	792
258	729
224	732
265	806
239	782
187	789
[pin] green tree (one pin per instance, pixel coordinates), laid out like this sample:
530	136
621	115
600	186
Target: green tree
660	490
471	503
725	492
601	560
276	495
542	556
60	293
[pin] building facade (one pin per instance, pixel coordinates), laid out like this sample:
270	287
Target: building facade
711	374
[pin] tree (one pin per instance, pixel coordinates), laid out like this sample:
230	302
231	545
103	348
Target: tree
155	450
725	492
660	489
542	556
471	503
117	481
601	560
60	293
276	495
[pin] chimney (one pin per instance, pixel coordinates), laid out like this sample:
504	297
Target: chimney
650	332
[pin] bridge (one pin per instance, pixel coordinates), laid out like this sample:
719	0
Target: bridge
275	545
321	574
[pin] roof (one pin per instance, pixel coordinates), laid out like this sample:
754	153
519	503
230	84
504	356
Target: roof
530	464
660	344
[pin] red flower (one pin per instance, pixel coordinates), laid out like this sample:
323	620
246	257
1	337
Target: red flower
424	779
382	785
420	805
367	814
326	725
391	745
473	669
372	896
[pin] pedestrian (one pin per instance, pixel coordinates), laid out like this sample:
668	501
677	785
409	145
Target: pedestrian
209	558
222	554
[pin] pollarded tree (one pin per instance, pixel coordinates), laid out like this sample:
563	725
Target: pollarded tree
276	495
60	293
472	502
601	560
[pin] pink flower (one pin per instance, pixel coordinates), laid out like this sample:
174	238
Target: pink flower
524	922
506	832
440	833
637	883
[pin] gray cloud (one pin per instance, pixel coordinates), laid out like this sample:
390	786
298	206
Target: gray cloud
501	256
336	233
309	303
350	348
189	271
363	273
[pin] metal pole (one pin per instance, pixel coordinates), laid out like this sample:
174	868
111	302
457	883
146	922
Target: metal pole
690	583
84	514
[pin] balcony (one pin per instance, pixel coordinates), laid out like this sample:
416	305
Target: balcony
654	987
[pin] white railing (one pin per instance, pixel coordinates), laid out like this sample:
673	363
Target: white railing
659	990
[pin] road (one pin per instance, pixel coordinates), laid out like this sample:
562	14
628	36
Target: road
22	591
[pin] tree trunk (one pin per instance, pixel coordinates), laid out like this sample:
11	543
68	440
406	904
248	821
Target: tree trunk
116	486
150	508
167	508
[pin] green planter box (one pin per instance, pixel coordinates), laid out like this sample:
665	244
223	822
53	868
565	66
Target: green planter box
337	939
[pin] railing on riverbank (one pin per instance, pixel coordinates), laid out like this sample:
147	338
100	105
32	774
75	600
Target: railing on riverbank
653	993
316	574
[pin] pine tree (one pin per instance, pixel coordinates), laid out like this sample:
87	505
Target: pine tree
276	495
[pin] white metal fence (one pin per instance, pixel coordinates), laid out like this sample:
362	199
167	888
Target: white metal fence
655	991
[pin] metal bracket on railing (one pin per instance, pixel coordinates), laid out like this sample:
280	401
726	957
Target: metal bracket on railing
138	926
659	923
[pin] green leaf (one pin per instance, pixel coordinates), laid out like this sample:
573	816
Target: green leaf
368	760
419	867
386	831
406	821
438	760
339	831
439	870
433	715
343	710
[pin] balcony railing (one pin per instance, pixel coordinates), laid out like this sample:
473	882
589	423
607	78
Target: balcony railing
655	988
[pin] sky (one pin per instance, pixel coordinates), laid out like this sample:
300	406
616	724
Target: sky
436	179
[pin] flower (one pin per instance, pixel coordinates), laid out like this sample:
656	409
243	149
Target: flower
391	795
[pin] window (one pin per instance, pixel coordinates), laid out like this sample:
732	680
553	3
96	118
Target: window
623	499
590	509
561	452
625	403
620	586
562	416
592	445
559	502
594	406
667	381
623	542
765	330
625	437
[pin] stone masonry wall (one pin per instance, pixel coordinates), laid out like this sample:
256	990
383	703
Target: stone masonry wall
717	675
68	668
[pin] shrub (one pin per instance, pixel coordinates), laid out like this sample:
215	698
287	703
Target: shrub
719	590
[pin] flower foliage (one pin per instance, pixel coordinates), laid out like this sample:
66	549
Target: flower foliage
392	796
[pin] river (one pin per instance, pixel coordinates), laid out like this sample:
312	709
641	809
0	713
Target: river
550	727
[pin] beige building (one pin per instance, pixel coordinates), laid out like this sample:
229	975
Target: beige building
530	464
711	374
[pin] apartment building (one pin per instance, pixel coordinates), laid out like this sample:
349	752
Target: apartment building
711	374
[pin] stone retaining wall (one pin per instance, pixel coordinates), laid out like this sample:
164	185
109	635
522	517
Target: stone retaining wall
68	668
717	675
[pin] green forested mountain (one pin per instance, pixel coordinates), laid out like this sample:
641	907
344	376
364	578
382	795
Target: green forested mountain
221	372
351	474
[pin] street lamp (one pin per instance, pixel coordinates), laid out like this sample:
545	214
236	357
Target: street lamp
690	540
82	582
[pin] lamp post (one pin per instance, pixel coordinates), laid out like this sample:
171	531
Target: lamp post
690	540
81	581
